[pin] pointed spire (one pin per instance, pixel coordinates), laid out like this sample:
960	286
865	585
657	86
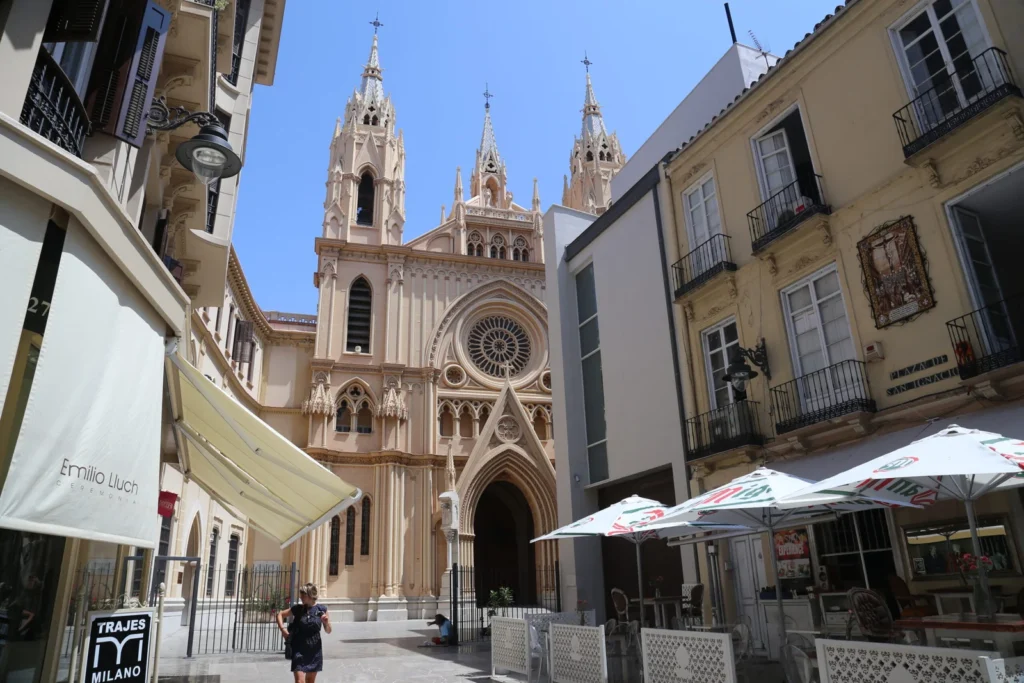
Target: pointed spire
565	190
442	214
536	196
593	122
488	145
371	87
337	127
458	184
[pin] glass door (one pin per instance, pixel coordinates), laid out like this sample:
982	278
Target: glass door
992	320
777	174
703	222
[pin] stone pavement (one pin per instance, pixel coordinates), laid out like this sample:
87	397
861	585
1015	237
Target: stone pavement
362	652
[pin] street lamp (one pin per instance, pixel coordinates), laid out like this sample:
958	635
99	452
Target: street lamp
739	373
208	154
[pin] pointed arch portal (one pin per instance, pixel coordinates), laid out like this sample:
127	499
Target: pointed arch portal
503	554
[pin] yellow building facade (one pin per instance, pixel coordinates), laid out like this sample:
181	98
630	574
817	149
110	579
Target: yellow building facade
849	222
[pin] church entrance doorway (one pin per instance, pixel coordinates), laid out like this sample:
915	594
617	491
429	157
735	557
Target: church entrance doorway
503	556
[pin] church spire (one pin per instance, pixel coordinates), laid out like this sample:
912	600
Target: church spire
593	122
371	87
458	185
488	145
488	179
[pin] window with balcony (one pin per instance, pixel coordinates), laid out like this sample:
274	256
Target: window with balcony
951	70
709	248
238	41
791	189
593	379
720	344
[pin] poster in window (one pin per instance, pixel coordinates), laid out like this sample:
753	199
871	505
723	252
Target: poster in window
793	551
894	273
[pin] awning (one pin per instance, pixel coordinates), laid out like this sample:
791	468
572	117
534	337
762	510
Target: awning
1008	421
246	465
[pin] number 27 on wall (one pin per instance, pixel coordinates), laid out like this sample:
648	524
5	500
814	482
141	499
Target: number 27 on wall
34	304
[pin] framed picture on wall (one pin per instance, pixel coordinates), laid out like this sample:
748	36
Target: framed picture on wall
894	272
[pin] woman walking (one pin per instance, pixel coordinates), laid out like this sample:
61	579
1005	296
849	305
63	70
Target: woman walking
307	649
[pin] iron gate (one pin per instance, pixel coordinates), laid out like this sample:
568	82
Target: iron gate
236	608
476	596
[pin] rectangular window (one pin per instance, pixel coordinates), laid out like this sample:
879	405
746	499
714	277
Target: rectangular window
720	344
593	380
232	575
241	23
159	565
231	327
350	537
819	333
334	549
212	566
702	218
136	587
252	362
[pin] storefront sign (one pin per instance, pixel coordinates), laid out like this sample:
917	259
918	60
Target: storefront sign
923	381
793	551
919	367
165	506
118	648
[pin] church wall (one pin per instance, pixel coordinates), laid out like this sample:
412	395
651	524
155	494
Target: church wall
288	375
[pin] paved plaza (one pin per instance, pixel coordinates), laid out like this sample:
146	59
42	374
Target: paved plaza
363	652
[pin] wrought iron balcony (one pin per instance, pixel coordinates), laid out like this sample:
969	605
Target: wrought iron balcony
52	107
703	263
986	339
955	100
828	393
723	429
786	209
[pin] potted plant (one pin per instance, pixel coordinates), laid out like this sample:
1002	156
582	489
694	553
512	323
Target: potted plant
499	599
970	568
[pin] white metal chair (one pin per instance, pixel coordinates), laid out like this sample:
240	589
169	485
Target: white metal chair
1009	670
845	660
671	656
539	623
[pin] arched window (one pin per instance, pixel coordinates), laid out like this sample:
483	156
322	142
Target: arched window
364	419
335	552
350	537
364	531
360	300
479	250
498	247
494	252
447	421
366	119
343	418
375	121
466	422
485	413
590	155
212	565
600	156
364	201
520	252
475	245
540	425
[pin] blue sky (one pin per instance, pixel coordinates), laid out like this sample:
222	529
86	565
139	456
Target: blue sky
437	56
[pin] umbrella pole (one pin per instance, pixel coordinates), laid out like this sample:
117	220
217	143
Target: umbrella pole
778	589
640	582
860	549
982	574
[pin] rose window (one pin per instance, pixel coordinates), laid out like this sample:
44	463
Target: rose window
497	343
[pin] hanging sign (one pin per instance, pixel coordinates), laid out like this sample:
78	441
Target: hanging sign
794	554
118	646
165	506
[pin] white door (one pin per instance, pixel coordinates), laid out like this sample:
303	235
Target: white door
994	323
775	162
703	222
748	575
720	345
819	336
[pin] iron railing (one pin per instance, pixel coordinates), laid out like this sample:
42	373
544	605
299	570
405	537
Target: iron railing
241	21
986	339
533	590
976	85
825	394
214	27
703	263
786	209
53	108
240	615
723	429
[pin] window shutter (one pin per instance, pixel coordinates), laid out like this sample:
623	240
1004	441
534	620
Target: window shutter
126	68
242	345
75	20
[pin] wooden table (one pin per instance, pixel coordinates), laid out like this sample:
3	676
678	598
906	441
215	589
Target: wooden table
1004	635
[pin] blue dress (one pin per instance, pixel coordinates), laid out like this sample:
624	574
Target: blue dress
307	650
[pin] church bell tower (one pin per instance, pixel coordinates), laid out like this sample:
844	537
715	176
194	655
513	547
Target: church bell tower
596	157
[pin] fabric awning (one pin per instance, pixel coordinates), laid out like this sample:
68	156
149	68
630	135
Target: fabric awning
245	464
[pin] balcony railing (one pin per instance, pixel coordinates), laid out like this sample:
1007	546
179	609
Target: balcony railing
702	264
786	209
955	100
828	393
986	339
723	429
52	107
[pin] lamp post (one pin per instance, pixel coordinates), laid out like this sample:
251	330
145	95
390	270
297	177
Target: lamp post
208	154
739	373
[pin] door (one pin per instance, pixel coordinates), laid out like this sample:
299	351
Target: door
777	176
993	322
720	345
703	222
820	337
748	575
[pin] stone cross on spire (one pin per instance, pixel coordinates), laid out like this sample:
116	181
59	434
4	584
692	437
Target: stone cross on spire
487	97
376	24
586	62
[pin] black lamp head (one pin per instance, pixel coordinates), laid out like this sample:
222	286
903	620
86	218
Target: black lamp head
209	154
739	373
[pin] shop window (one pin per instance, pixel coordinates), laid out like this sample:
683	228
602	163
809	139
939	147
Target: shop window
350	537
932	549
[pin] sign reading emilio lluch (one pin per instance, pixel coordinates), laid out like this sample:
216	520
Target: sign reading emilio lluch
921	381
118	647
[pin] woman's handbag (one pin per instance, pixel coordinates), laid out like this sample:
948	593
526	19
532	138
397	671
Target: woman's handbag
288	641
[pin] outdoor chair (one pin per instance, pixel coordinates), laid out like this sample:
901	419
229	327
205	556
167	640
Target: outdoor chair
620	601
844	660
797	666
910	605
873	617
695	608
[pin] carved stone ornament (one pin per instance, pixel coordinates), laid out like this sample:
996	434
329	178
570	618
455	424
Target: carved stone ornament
1016	121
319	401
934	179
392	405
773	267
508	429
688	310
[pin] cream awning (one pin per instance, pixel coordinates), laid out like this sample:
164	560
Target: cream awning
244	464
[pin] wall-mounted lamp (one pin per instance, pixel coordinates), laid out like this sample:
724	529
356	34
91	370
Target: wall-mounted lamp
208	154
739	373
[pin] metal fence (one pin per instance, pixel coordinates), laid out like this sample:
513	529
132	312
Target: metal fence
479	593
237	609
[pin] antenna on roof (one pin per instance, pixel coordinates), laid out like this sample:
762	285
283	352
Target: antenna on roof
763	49
732	29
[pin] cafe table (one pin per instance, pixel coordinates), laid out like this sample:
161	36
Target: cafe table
1005	634
661	603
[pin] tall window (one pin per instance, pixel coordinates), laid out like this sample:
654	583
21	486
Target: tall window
593	380
364	532
213	189
230	579
475	245
343	418
520	252
446	422
365	200
252	363
136	586
332	565
498	247
211	567
819	334
160	566
360	300
466	422
350	537
241	21
540	426
702	218
216	325
720	344
231	327
364	419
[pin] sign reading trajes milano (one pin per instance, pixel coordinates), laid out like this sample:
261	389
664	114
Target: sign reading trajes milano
118	648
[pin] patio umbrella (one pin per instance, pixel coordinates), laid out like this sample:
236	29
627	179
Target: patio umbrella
954	464
752	501
620	520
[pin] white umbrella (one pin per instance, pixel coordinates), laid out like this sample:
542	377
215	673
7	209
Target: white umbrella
620	520
752	501
954	464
